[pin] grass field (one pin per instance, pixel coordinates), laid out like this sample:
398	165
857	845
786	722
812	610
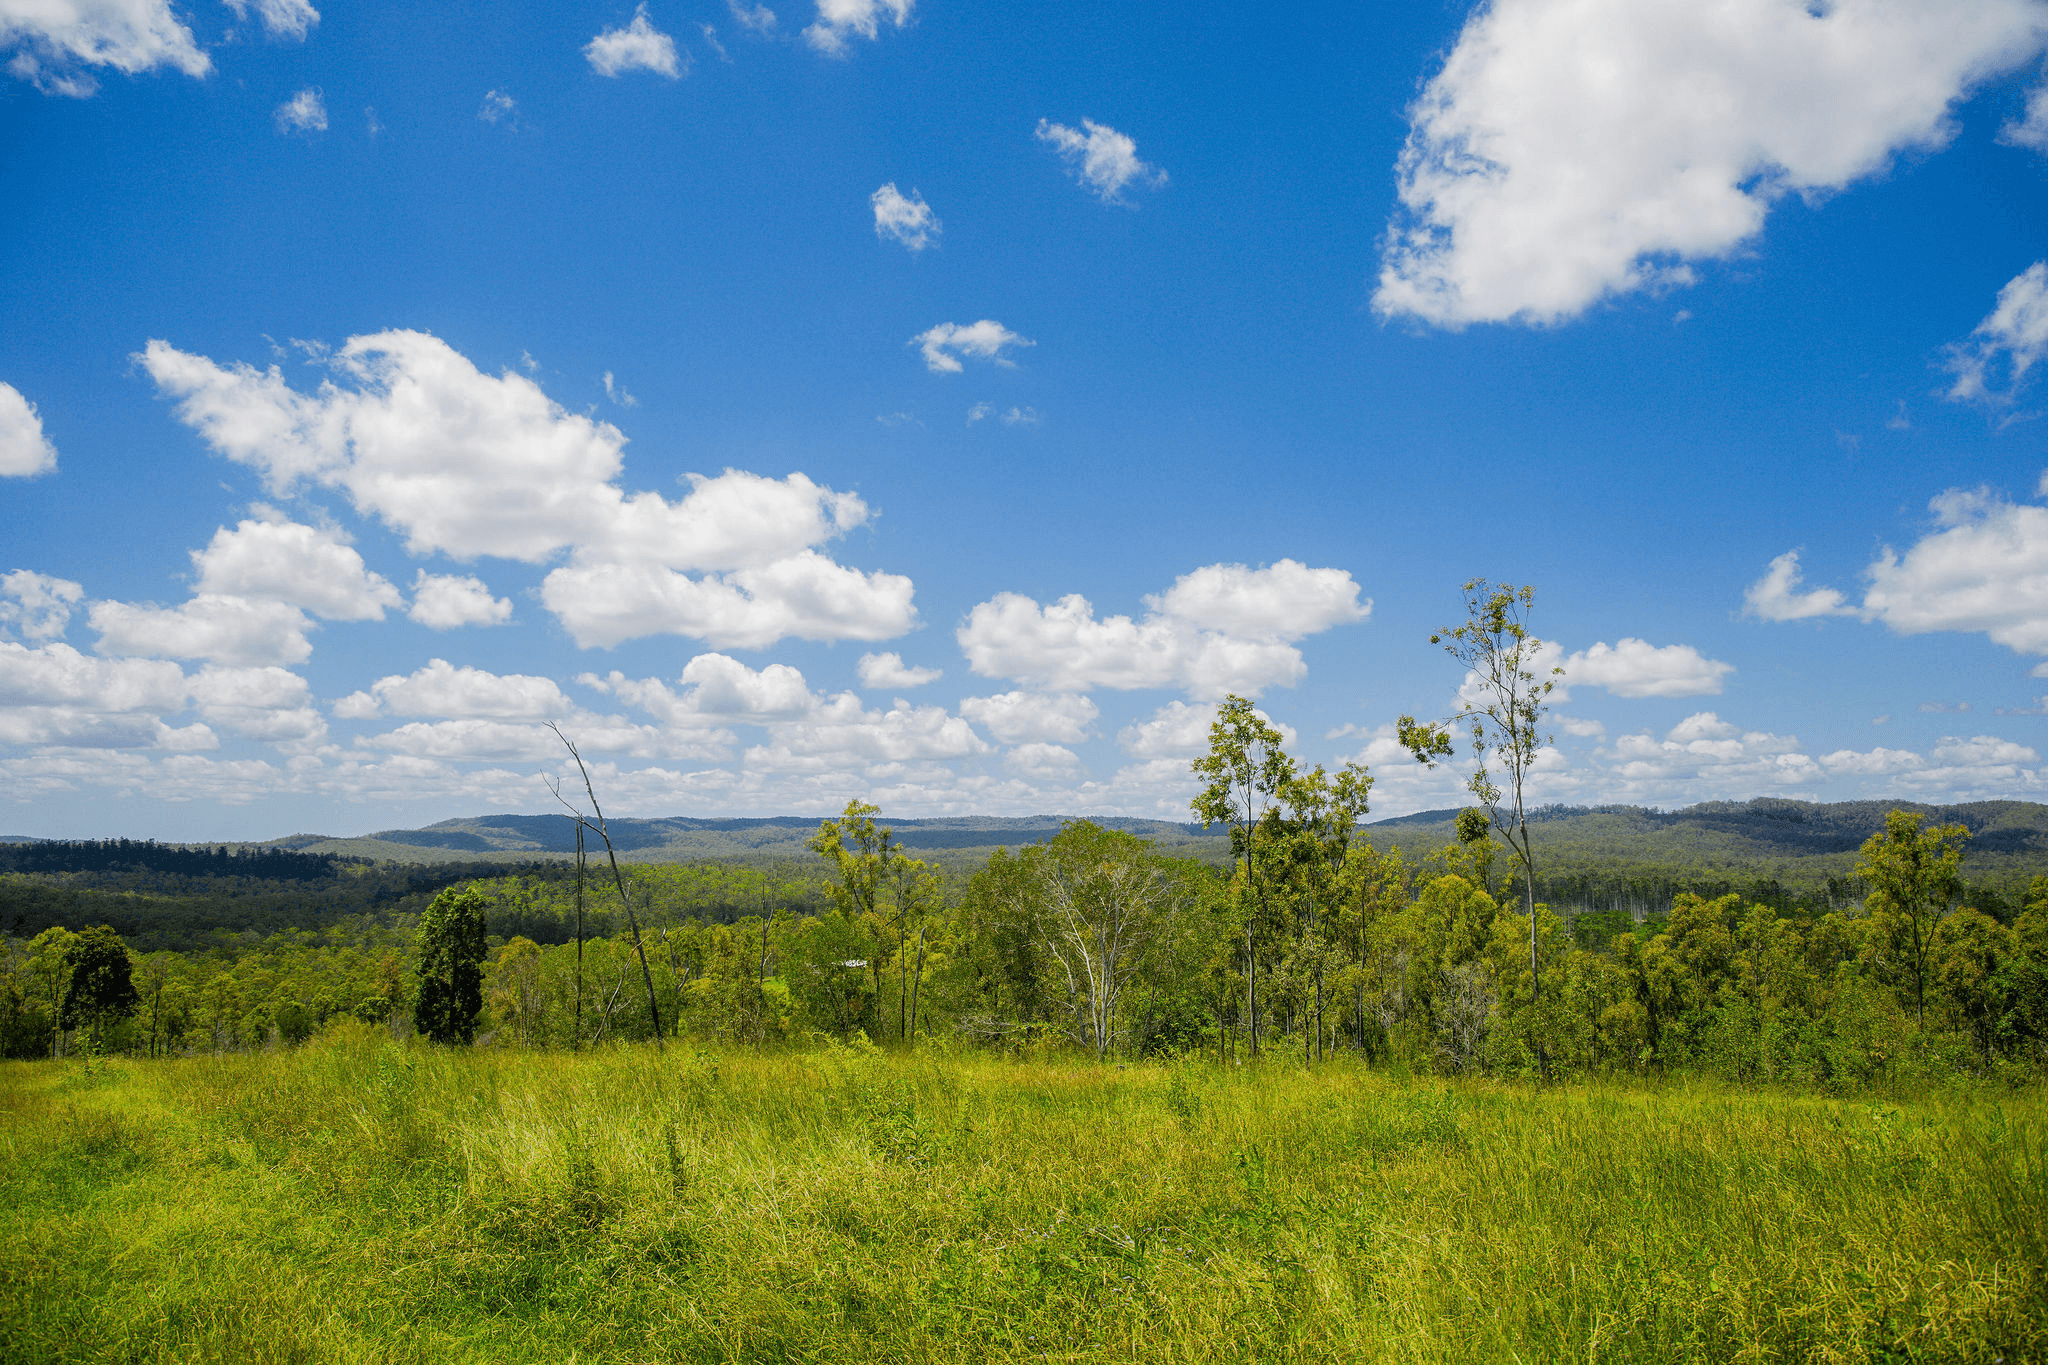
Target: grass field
362	1200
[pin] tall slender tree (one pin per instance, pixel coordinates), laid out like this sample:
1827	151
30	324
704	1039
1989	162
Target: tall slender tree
1244	773
1914	876
449	962
1500	709
596	821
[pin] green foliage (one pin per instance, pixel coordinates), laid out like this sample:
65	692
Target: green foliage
97	981
448	958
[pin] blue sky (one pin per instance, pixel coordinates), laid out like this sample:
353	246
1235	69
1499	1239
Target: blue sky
945	404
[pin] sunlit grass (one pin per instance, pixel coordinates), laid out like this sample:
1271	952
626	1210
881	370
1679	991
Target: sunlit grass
358	1200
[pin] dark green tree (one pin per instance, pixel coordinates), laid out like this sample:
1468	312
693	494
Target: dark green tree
98	981
449	962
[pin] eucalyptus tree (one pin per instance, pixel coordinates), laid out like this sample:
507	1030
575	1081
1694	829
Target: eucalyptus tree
1099	899
1323	815
863	854
1915	877
1500	709
1244	774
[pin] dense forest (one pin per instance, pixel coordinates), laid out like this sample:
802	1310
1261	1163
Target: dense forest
1309	941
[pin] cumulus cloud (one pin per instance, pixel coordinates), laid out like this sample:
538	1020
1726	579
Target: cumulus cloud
1025	717
889	670
37	606
1777	596
442	690
280	18
498	107
1984	569
1636	668
1568	152
53	40
909	221
24	449
446	601
1223	628
271	704
2006	344
944	344
305	112
285	561
639	46
240	632
53	695
841	733
839	20
1044	762
1100	157
464	463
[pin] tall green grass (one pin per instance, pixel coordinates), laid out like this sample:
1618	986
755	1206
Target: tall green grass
362	1200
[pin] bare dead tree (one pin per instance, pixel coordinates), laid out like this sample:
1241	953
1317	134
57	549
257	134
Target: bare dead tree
596	822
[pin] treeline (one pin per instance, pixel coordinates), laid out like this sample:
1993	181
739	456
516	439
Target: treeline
173	911
1315	943
179	860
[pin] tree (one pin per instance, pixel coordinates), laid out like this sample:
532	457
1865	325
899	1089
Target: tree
1324	812
862	853
98	982
48	952
1914	877
1245	771
449	963
1501	710
1099	898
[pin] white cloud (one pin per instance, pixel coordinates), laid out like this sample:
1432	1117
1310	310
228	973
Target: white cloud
2010	340
445	601
280	18
710	34
53	695
1636	668
2031	130
465	463
1101	157
842	733
1180	730
37	605
272	704
979	411
639	46
1023	717
1985	569
804	595
442	690
1777	596
1706	755
617	392
839	20
909	221
753	18
881	671
1570	151
985	339
1220	629
1580	727
1044	763
52	39
240	632
1027	417
498	107
24	449
1285	601
289	562
305	112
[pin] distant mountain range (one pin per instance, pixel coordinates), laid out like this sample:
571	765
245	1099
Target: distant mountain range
1799	843
1584	852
